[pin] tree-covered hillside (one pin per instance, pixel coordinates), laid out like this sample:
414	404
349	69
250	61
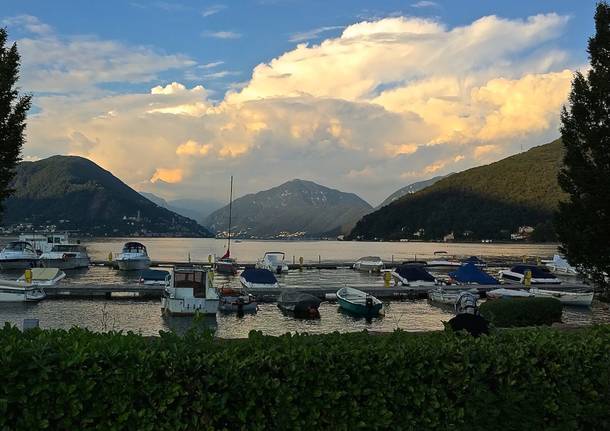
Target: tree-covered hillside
485	202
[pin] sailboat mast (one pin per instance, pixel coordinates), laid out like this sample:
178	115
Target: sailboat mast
230	208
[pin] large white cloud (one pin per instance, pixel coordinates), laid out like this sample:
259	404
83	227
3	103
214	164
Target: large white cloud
387	102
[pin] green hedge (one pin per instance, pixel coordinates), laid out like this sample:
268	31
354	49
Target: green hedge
511	312
513	380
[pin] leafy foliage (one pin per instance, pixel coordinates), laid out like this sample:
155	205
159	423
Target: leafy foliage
486	202
13	110
91	198
583	221
525	379
505	313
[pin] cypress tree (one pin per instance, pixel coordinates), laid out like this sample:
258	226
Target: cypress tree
13	110
583	220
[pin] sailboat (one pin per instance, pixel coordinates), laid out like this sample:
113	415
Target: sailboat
227	265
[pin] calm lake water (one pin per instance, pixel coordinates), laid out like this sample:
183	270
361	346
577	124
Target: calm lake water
144	316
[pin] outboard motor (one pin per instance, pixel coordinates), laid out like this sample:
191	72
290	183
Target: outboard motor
369	303
466	303
468	317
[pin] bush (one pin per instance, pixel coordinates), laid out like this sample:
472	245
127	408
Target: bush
526	379
511	312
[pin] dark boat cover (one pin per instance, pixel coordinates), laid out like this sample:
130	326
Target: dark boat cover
153	275
537	272
259	275
298	297
475	260
414	272
470	273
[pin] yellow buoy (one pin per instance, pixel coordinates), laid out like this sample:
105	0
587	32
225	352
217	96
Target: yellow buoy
527	278
387	277
28	275
209	258
110	257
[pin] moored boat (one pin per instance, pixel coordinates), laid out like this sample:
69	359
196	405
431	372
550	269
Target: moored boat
369	264
469	273
232	300
155	277
133	257
18	255
357	302
448	296
258	278
274	262
504	293
539	275
299	304
561	265
442	259
30	286
226	266
412	275
65	256
476	261
191	292
581	299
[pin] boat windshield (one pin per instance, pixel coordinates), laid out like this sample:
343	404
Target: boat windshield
191	279
19	246
68	248
275	258
134	247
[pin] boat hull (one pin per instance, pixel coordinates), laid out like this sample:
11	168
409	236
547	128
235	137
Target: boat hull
133	264
359	309
21	295
368	267
579	299
189	307
233	305
69	263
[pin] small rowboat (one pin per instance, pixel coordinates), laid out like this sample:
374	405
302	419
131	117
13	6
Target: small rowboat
357	302
582	299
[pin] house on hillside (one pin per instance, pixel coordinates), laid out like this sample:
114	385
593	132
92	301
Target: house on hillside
450	237
523	233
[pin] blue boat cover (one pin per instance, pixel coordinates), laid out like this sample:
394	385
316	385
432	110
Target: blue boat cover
153	275
259	275
469	273
475	260
537	272
414	272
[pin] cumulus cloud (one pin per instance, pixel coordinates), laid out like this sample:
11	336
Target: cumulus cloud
388	101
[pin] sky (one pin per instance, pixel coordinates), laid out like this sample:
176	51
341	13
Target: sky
362	96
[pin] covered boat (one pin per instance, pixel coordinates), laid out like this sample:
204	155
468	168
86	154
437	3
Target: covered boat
448	296
581	299
30	286
369	264
65	256
273	261
476	261
299	304
190	292
442	259
234	300
469	273
18	255
357	302
155	277
257	278
539	275
413	275
133	257
561	265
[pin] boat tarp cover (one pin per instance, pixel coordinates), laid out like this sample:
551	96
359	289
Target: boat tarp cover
44	274
294	297
537	272
259	276
154	275
474	259
414	273
469	273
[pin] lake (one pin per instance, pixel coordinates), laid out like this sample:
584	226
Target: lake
144	316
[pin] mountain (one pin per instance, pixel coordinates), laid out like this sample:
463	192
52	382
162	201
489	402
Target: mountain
196	209
297	208
489	201
410	189
73	193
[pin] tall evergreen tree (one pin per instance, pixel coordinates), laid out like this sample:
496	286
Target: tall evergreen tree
13	110
583	221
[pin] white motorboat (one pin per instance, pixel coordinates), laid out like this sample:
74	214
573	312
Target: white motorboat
560	265
133	257
66	256
258	278
582	299
273	261
447	296
232	300
191	292
441	259
368	264
155	277
508	293
539	275
43	243
18	255
413	275
30	286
